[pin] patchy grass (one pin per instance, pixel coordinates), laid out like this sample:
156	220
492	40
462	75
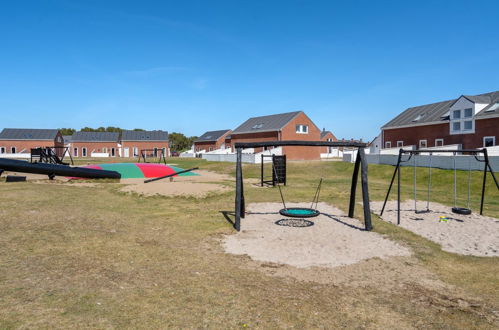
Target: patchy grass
95	257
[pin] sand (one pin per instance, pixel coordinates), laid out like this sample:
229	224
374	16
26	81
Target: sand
463	234
198	186
333	240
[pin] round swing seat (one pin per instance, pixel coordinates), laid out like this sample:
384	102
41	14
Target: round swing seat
461	210
299	212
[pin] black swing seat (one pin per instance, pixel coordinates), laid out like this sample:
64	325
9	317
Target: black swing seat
422	211
299	212
461	210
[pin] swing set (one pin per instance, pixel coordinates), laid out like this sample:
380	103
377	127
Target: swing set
297	212
412	154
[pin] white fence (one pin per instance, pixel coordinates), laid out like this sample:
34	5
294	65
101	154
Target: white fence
247	156
16	156
443	162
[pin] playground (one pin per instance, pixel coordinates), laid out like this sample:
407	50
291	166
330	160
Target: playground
85	253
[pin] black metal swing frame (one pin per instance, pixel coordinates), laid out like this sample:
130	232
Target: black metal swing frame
360	166
411	153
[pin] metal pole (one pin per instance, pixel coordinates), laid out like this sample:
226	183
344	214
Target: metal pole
391	182
398	195
415	187
486	157
455	181
351	208
365	190
429	184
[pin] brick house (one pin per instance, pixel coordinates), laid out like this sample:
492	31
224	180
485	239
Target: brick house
132	142
212	140
21	140
327	136
281	127
84	144
471	121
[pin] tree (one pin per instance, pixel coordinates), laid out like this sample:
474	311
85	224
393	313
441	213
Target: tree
67	131
179	142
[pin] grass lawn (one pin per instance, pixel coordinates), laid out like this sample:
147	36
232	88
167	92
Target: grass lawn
83	256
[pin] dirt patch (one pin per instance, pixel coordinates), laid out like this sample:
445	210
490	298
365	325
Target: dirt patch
463	234
330	240
195	185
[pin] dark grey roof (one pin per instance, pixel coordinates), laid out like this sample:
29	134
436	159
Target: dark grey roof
144	136
438	112
67	138
28	134
212	135
266	123
95	137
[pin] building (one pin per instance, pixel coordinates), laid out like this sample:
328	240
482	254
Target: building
95	144
212	140
471	121
133	142
327	136
21	140
281	127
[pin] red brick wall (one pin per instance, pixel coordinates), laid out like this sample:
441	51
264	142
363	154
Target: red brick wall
314	134
144	145
28	144
199	146
254	137
412	135
94	147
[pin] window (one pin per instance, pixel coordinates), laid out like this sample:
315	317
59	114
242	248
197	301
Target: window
135	151
104	150
155	151
439	142
75	152
84	152
2	150
423	144
211	149
301	129
456	126
13	150
489	141
456	114
468	125
113	152
257	126
388	144
400	143
468	113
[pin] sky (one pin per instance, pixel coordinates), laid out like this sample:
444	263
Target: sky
193	66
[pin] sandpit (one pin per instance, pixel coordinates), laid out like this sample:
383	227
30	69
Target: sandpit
463	234
333	240
198	186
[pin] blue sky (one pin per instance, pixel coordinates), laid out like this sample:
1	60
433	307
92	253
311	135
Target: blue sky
192	66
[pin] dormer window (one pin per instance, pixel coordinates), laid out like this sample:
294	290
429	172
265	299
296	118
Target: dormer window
456	114
493	108
418	117
468	113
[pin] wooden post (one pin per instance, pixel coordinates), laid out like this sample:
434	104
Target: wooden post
365	190
261	171
351	209
237	222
